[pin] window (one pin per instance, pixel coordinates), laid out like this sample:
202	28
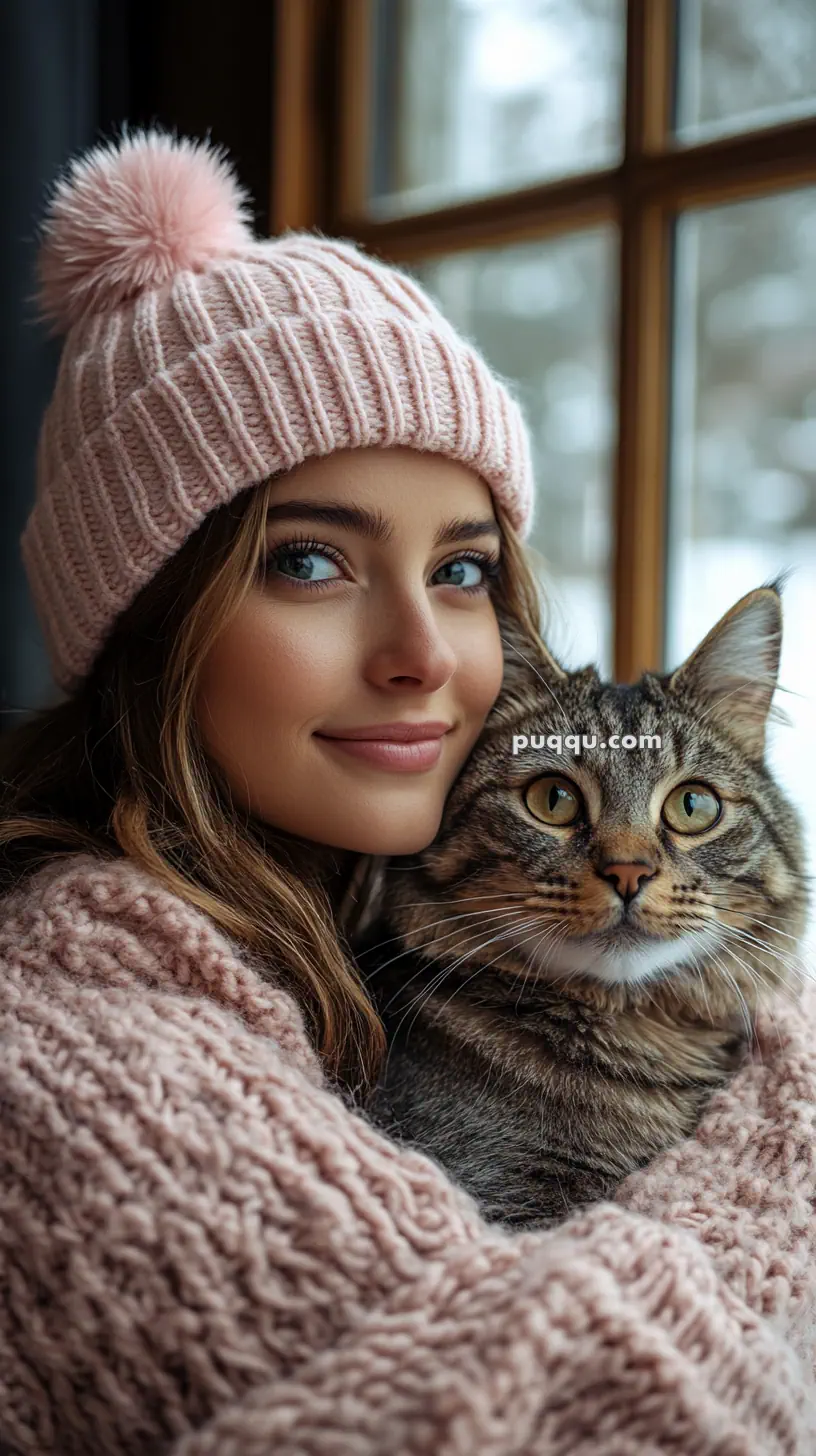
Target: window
616	199
543	312
473	98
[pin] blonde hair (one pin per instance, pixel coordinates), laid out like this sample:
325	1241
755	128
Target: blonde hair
119	769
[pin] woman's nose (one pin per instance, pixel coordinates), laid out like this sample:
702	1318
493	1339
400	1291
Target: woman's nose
410	647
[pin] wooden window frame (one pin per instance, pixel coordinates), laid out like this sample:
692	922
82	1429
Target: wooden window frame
320	147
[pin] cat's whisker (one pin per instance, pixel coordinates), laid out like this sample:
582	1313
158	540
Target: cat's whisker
502	931
785	958
755	919
695	965
781	983
794	968
544	683
722	895
767	1007
749	971
722	899
444	920
749	920
729	950
461	932
482	967
447	970
556	941
651	999
748	1020
527	972
438	940
550	932
561	924
725	885
742	930
530	903
530	969
464	899
537	921
794	965
785	987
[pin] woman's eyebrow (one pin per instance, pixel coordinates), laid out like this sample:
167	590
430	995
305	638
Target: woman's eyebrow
373	524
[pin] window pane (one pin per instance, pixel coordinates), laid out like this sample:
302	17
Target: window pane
541	314
743	64
474	97
744	461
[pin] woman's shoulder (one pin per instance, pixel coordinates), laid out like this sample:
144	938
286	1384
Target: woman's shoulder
107	926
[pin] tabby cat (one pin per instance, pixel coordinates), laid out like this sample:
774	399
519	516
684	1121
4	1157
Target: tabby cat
570	970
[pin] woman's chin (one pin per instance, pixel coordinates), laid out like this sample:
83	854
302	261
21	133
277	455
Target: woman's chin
397	845
382	838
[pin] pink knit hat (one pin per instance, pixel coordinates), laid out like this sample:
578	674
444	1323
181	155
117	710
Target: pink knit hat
199	360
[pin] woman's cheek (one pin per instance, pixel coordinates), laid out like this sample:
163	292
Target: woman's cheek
483	670
303	659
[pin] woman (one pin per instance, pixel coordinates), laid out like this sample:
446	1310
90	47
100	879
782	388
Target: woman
279	505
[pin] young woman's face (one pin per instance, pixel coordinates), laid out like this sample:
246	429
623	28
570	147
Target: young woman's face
374	612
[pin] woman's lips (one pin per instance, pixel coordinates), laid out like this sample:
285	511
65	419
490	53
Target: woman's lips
399	757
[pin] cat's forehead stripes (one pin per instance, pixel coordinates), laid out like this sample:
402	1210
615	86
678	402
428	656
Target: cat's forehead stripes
613	780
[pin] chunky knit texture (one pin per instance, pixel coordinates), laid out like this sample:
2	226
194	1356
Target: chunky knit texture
203	1252
200	360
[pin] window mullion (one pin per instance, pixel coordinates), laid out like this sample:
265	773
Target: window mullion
644	349
298	141
352	138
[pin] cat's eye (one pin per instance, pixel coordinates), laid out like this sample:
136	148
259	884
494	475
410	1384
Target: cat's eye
691	808
553	800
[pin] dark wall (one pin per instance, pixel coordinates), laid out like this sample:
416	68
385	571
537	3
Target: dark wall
200	66
48	64
71	71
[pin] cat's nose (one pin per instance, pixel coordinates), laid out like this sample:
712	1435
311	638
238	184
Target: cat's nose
628	879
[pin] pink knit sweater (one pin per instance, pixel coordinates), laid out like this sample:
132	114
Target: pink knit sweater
202	1250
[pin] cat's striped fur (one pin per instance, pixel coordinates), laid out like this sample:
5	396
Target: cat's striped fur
548	1033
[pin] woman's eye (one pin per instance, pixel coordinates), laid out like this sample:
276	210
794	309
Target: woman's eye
464	572
314	565
306	565
691	808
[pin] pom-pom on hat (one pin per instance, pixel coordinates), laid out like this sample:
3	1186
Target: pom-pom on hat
199	360
126	220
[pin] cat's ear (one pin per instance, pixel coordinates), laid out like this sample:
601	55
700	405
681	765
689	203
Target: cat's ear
736	666
527	662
